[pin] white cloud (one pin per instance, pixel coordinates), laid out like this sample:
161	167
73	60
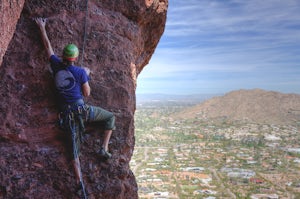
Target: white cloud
234	36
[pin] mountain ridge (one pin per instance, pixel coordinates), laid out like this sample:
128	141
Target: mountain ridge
254	105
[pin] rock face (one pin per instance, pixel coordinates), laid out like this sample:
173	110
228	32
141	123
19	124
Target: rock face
118	39
9	14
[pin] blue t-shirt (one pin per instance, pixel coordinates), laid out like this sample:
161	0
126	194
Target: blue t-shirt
68	80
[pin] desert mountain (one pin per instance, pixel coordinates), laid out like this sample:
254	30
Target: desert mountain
255	105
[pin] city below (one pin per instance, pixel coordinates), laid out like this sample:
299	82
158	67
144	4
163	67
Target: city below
194	157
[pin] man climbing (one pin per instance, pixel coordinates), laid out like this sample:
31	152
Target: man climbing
72	86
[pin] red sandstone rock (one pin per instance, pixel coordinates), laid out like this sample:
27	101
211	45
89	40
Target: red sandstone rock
121	37
9	14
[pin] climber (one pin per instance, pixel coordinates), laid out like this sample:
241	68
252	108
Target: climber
72	85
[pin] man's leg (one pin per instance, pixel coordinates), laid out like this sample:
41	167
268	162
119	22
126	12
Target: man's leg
76	165
76	151
102	115
107	135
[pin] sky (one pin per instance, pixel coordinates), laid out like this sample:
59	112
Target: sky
217	46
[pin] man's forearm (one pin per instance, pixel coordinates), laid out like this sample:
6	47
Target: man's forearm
46	41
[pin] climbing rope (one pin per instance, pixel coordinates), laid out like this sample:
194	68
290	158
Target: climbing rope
85	30
73	130
72	125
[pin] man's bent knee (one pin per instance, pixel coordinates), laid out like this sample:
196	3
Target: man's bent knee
110	123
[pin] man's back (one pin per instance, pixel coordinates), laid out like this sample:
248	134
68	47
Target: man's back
68	81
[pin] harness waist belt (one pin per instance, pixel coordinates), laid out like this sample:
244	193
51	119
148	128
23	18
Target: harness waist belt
72	105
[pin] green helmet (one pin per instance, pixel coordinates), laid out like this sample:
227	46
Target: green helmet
70	52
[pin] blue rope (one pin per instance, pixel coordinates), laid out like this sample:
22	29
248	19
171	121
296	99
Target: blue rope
72	124
85	30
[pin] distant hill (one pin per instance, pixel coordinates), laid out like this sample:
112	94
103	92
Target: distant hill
157	97
250	105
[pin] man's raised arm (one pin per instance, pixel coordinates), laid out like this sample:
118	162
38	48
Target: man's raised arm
41	22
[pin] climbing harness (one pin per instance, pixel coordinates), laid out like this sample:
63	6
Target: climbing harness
76	114
85	30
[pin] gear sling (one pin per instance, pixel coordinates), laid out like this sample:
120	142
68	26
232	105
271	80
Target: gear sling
72	120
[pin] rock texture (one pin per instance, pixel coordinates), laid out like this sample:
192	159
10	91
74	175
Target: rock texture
9	14
120	38
255	105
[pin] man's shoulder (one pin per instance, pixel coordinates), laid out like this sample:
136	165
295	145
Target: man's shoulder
55	63
76	69
55	58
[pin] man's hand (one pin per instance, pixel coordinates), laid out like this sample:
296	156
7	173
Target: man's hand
87	70
41	22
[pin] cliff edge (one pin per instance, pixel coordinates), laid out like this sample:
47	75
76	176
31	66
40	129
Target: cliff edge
118	38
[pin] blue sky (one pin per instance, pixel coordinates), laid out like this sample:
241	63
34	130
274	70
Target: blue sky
216	46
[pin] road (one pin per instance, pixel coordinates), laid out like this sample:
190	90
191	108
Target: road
213	171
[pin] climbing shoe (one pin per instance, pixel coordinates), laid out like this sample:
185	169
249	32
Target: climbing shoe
104	154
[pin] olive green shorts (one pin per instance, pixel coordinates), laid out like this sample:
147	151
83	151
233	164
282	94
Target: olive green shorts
97	114
90	114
